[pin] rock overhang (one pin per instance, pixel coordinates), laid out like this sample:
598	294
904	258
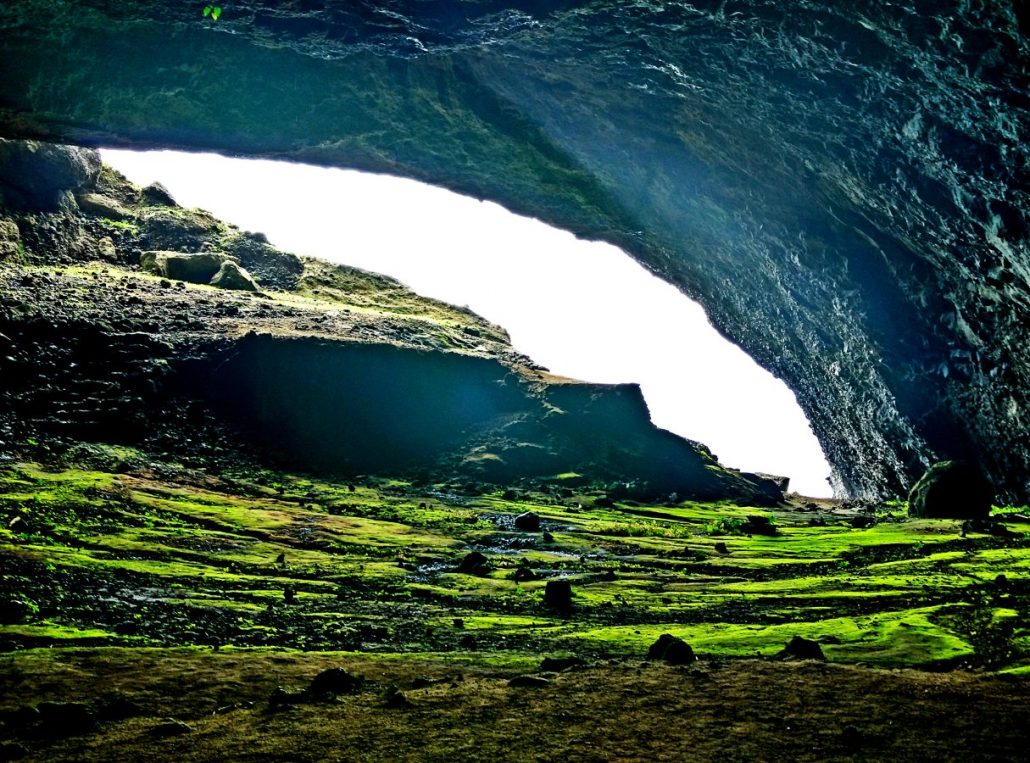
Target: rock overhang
843	190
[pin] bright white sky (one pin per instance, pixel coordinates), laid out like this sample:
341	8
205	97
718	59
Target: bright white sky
582	309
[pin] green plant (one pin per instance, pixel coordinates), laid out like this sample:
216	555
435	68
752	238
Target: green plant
212	11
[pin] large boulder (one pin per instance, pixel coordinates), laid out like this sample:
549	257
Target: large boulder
951	490
103	206
232	276
201	267
41	176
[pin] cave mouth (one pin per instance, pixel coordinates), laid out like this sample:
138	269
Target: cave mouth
582	309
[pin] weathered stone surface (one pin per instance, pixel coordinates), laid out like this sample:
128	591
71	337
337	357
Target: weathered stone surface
40	176
843	188
232	276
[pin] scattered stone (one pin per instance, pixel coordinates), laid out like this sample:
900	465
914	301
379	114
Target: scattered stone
232	276
558	595
604	502
289	594
171	728
951	490
721	548
608	576
863	521
423	682
671	649
528	682
474	563
511	494
799	648
817	522
548	538
334	681
528	522
559	664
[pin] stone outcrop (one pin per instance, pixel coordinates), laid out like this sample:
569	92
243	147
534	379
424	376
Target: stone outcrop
842	188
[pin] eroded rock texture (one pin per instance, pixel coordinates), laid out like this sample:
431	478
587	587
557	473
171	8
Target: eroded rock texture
842	186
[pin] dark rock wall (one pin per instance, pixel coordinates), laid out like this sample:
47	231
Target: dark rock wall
842	186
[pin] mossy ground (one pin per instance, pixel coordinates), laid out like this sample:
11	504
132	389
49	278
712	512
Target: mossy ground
160	555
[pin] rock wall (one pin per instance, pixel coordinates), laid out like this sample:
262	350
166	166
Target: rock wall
843	187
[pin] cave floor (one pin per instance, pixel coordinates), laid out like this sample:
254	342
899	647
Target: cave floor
183	591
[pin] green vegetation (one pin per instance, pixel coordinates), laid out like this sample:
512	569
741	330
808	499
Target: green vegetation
262	558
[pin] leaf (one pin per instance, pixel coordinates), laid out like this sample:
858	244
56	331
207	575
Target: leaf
216	12
207	11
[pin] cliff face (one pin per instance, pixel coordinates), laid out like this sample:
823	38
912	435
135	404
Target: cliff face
843	189
116	324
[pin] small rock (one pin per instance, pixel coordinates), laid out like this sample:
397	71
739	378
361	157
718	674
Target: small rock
799	648
671	649
862	521
523	574
171	728
548	538
721	548
528	682
281	698
528	522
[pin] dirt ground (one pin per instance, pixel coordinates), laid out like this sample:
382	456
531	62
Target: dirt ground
626	711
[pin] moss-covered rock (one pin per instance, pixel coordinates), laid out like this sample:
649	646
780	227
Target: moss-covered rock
42	176
951	489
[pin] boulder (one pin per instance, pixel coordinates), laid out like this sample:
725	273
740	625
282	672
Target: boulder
558	595
474	563
232	276
102	206
156	195
39	176
528	522
178	229
671	649
951	490
193	268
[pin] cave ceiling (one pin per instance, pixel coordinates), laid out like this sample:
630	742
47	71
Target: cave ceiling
843	186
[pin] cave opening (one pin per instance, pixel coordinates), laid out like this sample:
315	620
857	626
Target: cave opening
582	309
